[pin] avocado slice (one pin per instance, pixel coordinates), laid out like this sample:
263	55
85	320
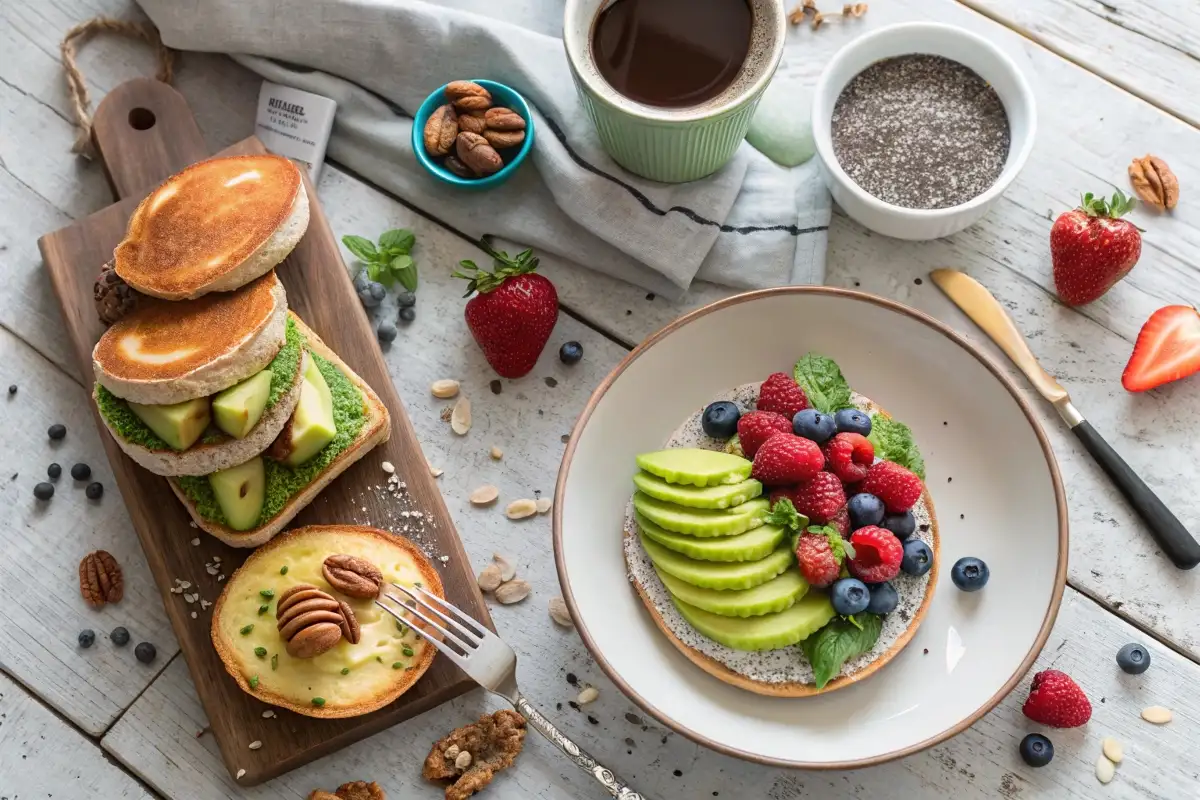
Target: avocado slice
719	574
775	595
311	426
702	522
749	546
720	496
695	467
179	424
240	492
770	631
236	410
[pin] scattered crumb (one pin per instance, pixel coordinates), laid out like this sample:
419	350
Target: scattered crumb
240	773
388	467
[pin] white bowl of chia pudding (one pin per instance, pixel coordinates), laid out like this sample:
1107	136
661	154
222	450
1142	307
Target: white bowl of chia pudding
920	127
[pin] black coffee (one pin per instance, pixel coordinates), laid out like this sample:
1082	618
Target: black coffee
672	53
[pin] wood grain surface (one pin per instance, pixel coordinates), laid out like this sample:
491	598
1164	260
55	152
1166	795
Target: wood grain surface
320	292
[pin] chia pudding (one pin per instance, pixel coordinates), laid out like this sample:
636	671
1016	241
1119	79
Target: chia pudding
921	131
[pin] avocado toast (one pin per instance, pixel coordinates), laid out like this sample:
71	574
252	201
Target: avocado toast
731	595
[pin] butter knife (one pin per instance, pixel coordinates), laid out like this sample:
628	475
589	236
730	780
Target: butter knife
979	304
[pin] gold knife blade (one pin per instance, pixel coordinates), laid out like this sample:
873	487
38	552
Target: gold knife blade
985	311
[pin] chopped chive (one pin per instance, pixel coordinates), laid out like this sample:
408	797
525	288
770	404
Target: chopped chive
275	662
261	652
253	681
283	570
345	670
397	665
318	701
379	659
267	593
246	630
418	584
264	608
408	651
409	669
400	626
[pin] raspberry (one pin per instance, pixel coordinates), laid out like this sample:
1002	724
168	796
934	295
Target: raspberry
898	488
820	558
849	455
841	521
758	426
785	459
819	499
1057	701
877	555
780	393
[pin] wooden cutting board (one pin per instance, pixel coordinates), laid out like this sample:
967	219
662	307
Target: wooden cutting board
144	132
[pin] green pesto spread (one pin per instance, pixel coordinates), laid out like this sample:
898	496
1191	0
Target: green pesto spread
129	425
282	482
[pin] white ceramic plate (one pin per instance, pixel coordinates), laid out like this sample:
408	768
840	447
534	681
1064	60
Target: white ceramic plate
1004	504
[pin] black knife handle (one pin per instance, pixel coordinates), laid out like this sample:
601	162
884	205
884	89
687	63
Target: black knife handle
1167	530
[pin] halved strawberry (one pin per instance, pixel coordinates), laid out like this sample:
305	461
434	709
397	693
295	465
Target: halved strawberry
1167	349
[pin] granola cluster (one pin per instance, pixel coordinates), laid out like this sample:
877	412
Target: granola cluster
472	755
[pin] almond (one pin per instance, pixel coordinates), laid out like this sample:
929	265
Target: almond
444	389
560	614
484	495
489	579
460	417
543	505
1157	715
507	570
1105	770
520	509
513	591
1112	749
588	695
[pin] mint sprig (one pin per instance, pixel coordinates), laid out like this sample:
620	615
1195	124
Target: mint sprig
388	261
894	442
821	379
505	266
785	515
838	642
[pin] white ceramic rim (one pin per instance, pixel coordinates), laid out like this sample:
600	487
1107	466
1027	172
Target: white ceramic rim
1060	576
824	140
601	91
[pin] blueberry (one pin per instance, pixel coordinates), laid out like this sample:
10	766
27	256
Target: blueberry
408	314
361	281
812	424
377	291
406	300
367	299
883	598
119	636
386	332
570	353
145	652
903	525
720	419
918	558
54	470
94	490
1133	658
12	389
81	472
1036	750
851	420
57	431
87	638
43	491
970	574
849	596
865	509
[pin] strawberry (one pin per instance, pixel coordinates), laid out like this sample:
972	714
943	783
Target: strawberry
849	455
1057	701
513	313
898	488
819	499
877	555
1167	349
756	427
820	553
785	459
1092	249
780	393
841	522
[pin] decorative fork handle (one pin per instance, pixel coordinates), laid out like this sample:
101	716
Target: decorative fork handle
615	786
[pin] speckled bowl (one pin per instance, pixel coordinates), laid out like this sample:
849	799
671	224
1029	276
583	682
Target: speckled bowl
1005	505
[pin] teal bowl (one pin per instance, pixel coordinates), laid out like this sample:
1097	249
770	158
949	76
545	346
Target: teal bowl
501	96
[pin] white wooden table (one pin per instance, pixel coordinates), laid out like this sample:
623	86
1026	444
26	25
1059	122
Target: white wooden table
81	724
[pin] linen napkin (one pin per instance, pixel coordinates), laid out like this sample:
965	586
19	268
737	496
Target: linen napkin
751	224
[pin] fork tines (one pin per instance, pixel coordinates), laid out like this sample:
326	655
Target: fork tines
467	636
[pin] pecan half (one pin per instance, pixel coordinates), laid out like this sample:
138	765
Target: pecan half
351	630
477	154
458	168
503	139
355	790
353	576
100	579
1154	182
494	742
440	130
504	119
468	96
309	620
473	121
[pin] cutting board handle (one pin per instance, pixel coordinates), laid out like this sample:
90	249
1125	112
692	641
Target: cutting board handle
144	132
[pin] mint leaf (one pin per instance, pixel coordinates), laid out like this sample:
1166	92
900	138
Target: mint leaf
397	241
894	442
363	249
822	382
405	270
839	641
785	515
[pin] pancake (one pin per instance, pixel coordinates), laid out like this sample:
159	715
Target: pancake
166	353
373	678
214	227
783	672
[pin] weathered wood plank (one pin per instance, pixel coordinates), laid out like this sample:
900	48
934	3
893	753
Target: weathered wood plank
42	756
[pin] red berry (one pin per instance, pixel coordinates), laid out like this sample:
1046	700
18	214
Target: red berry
898	488
1091	249
877	555
849	456
780	393
758	426
819	499
1057	701
819	563
841	521
785	459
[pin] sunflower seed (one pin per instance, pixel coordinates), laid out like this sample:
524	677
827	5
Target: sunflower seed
1105	770
543	505
460	417
513	591
588	695
388	467
1157	714
489	579
255	745
520	509
484	495
444	388
496	453
559	612
507	570
1112	749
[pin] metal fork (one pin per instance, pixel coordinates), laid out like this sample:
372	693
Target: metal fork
493	665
